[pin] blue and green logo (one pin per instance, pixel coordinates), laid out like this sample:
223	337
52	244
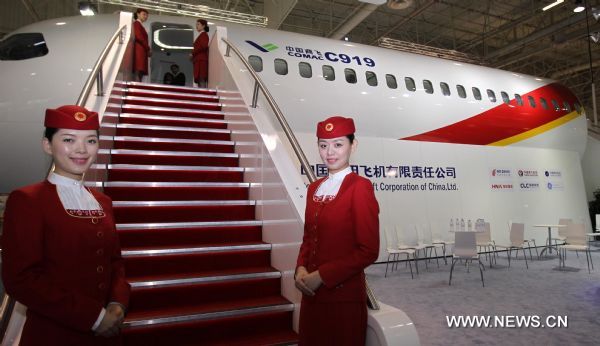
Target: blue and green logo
265	48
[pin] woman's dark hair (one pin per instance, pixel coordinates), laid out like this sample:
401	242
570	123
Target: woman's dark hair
350	137
139	10
205	23
49	132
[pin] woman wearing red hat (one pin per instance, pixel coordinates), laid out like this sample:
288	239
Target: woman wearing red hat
61	256
199	55
141	50
341	238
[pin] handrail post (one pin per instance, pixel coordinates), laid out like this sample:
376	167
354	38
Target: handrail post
122	36
255	95
100	83
228	50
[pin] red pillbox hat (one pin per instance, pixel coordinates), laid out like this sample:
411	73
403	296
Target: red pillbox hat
71	117
335	127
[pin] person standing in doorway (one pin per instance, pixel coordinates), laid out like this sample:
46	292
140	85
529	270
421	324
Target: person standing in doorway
199	54
141	51
341	238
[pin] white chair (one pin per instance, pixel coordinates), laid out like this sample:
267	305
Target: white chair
528	241
517	241
485	243
438	239
407	241
576	241
562	231
425	240
395	253
465	248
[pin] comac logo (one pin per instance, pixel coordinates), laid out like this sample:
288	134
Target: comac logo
500	172
265	48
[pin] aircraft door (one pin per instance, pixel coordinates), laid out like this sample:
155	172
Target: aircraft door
171	45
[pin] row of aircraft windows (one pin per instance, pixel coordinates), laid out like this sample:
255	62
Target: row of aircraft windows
305	70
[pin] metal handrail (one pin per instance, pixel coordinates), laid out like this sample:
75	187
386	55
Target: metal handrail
97	70
258	84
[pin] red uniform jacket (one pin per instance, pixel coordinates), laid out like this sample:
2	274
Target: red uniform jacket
200	57
64	269
141	49
341	238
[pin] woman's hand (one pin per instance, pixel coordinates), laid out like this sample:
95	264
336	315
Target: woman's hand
313	281
301	273
111	323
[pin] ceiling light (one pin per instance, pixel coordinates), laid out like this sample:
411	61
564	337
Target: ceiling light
578	6
595	37
87	9
596	13
557	2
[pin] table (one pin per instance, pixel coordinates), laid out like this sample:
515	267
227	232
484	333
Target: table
549	246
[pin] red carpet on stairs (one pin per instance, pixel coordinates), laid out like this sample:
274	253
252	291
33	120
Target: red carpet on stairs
193	250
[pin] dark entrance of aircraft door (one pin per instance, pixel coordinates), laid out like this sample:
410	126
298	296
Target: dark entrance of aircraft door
171	45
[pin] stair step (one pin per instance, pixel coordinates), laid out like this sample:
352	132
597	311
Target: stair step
181	191
163	157
156	102
166	173
182	213
220	276
148	119
171	225
156	131
190	237
174	95
179	264
178	144
253	325
201	294
173	88
178	112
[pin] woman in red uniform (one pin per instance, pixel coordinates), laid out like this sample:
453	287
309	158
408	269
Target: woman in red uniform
200	54
141	50
61	256
341	238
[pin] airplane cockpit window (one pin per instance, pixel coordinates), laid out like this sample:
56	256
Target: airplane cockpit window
519	99
350	75
567	106
305	69
428	86
544	103
256	63
281	67
445	89
577	107
555	104
410	84
476	93
491	95
462	93
23	46
531	101
391	81
328	73
505	97
371	78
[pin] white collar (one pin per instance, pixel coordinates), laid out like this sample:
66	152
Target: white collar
61	180
340	175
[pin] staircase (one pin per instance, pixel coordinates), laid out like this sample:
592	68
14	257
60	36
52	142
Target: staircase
199	272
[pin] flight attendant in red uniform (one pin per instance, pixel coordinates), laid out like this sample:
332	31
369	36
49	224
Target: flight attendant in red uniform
199	55
60	250
141	50
341	238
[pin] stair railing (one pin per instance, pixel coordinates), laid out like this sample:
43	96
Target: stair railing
260	86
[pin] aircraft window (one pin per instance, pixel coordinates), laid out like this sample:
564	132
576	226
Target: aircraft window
281	67
577	107
328	73
305	69
371	78
256	63
461	91
445	89
567	106
476	93
491	95
391	81
519	99
428	86
544	103
555	104
531	101
350	75
23	46
410	84
505	97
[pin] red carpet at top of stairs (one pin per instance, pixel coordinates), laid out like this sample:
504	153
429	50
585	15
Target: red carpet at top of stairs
200	273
